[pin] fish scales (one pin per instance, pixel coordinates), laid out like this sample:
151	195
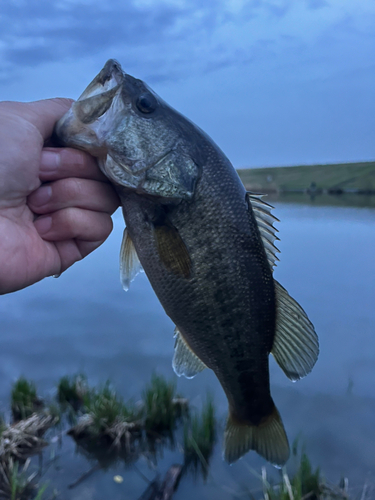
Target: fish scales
231	294
206	246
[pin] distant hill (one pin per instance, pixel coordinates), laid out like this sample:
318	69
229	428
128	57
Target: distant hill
338	177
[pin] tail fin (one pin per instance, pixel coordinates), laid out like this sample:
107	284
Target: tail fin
268	439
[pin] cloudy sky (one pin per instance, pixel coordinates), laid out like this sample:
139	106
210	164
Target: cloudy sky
274	82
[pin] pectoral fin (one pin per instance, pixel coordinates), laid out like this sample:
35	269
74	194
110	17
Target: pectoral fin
172	250
185	361
296	345
130	265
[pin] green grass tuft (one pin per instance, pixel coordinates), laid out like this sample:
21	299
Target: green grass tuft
72	390
107	409
161	412
15	485
199	437
24	399
306	479
304	484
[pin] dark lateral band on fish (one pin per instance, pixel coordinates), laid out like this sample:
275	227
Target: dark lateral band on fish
207	247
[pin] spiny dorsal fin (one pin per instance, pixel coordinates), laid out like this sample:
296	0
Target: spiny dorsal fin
172	250
296	345
268	439
129	262
185	361
265	220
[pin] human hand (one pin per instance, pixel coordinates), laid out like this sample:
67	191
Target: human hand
55	204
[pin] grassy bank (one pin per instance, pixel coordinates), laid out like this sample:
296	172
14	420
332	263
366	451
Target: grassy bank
340	177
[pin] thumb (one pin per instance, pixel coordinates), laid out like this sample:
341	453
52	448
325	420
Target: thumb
44	114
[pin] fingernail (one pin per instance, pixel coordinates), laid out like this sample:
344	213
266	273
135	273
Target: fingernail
49	161
43	224
41	196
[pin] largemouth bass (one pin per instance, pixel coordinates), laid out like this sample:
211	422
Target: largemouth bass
207	247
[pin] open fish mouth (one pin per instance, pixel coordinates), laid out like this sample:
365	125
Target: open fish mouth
110	77
83	126
98	95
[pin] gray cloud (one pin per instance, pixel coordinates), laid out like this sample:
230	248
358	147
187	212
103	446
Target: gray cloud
300	68
76	29
35	32
41	30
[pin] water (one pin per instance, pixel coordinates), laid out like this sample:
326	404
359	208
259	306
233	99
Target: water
84	321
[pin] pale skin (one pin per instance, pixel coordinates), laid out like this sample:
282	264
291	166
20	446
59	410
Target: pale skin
55	204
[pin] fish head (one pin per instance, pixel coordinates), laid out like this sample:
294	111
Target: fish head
87	123
140	141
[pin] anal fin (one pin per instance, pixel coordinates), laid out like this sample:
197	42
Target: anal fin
130	265
296	345
185	361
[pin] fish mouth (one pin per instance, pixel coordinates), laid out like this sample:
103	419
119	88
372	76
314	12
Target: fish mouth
77	128
97	98
110	77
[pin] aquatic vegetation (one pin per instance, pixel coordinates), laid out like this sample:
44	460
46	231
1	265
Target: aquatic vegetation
15	484
40	493
54	411
24	399
200	437
71	391
107	409
162	407
107	421
305	484
109	430
306	481
126	429
25	438
3	425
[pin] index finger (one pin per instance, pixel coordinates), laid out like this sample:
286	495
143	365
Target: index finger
61	163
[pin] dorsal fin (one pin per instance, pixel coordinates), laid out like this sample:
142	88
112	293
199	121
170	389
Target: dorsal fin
130	265
296	345
265	220
185	361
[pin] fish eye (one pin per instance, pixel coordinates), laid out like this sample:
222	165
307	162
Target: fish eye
146	103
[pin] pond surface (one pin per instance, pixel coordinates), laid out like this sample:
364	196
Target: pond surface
83	321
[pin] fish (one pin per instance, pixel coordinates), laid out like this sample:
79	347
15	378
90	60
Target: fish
207	247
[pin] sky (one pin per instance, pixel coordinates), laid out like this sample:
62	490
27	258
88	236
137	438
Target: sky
273	82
